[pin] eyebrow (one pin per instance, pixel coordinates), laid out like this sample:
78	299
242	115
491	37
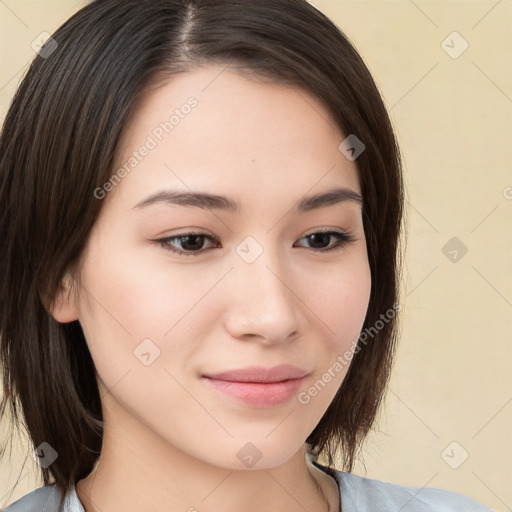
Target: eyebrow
218	202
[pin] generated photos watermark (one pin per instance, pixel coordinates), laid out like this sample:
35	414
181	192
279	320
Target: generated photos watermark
343	360
152	140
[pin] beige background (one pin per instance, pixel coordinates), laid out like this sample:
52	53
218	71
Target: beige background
452	380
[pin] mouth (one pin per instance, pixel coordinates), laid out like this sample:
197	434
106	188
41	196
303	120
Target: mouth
277	373
259	386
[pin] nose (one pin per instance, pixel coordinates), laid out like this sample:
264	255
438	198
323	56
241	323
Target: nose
262	303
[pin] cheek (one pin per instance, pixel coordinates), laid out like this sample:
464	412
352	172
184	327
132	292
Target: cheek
142	298
133	308
340	303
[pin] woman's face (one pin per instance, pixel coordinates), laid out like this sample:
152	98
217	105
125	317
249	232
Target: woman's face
255	288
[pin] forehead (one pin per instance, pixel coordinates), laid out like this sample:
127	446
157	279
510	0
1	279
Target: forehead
211	128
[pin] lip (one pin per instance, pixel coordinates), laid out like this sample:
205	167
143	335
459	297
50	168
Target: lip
260	374
258	386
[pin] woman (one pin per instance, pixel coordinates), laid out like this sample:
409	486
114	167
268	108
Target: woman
202	211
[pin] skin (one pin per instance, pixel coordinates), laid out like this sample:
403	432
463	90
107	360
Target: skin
171	442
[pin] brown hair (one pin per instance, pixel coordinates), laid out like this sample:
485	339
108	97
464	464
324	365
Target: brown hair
59	142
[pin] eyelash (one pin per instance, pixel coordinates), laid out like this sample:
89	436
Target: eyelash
344	239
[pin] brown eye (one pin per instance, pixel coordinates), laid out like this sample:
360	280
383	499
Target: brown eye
191	243
320	240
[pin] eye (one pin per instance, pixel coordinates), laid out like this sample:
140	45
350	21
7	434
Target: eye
192	243
322	237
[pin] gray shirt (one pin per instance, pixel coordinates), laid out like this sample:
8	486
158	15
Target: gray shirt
357	494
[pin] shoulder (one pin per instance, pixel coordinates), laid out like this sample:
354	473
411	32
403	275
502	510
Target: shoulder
366	494
361	494
44	499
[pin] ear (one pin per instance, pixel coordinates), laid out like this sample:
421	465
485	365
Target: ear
64	308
